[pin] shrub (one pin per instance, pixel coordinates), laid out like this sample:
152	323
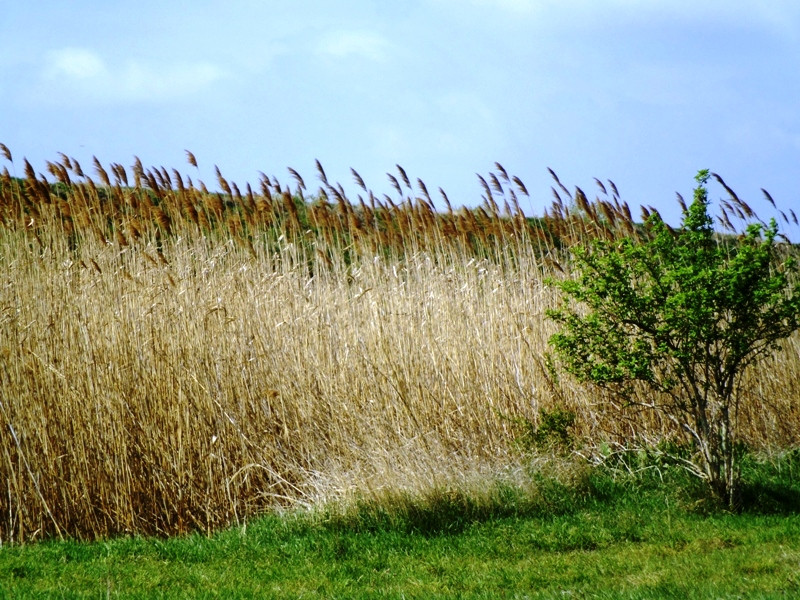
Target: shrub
553	434
685	312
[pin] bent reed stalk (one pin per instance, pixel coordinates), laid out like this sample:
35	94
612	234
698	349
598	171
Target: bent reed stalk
175	359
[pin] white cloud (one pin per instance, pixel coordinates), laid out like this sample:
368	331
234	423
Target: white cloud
775	13
514	6
75	63
80	74
362	44
778	16
781	17
444	124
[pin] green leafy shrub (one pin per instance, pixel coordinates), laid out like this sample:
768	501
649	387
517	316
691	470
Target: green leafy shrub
685	312
553	433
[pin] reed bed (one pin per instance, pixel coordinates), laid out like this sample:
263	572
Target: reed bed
174	358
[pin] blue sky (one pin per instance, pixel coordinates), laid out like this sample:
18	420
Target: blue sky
642	92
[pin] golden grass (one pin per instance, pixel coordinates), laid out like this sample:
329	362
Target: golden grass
175	359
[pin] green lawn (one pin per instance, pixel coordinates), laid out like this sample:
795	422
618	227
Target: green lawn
603	540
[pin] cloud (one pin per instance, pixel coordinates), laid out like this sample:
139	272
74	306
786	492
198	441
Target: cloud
442	124
80	74
74	63
360	44
781	17
513	6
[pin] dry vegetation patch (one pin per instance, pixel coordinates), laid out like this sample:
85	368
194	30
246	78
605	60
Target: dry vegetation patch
177	359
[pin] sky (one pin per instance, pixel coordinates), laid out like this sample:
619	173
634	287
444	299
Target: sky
641	92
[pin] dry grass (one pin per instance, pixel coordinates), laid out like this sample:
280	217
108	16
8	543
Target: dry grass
175	359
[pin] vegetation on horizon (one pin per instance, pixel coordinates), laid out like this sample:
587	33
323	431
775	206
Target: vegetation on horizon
178	359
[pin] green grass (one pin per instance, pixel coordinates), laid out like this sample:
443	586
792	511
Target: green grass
601	536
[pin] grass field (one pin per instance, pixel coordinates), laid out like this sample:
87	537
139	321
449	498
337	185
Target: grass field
604	536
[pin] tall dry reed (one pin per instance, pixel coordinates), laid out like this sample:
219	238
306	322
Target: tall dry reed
175	359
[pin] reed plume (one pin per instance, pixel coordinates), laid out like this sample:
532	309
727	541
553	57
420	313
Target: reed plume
176	359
